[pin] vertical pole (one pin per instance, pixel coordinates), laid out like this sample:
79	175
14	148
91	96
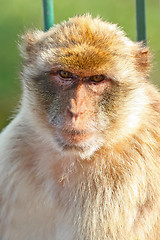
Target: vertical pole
48	14
141	21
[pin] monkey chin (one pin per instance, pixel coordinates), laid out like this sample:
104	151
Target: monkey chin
80	144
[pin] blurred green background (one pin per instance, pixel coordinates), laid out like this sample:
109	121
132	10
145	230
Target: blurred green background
16	16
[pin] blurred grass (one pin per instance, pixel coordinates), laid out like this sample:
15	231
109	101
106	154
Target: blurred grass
16	16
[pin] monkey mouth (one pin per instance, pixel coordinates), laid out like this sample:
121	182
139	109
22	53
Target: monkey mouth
81	142
73	136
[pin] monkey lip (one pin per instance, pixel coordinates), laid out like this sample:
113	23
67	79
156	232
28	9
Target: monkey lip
75	136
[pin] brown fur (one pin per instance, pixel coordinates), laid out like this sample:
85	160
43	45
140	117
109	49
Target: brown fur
100	187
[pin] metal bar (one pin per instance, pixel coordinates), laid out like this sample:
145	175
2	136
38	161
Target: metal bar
48	14
141	21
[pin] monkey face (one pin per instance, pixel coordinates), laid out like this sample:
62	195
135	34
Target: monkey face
83	77
73	106
77	118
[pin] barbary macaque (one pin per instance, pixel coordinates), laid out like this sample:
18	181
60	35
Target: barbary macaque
81	160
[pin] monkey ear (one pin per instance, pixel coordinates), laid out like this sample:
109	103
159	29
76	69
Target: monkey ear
142	58
29	43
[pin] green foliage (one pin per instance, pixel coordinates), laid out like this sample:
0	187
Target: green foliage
16	16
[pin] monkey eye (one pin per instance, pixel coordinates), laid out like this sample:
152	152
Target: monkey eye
65	74
97	78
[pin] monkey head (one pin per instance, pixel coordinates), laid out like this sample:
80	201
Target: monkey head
84	83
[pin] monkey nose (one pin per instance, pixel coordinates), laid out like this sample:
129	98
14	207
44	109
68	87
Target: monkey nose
76	107
72	114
